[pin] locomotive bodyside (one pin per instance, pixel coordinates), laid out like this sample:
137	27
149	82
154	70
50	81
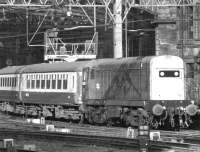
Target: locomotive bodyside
117	80
115	88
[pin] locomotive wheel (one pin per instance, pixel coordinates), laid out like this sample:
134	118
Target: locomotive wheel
96	115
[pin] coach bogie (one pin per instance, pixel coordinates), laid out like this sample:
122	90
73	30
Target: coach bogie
20	109
46	111
68	113
7	107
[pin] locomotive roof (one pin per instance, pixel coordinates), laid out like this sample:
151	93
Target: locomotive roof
132	62
116	63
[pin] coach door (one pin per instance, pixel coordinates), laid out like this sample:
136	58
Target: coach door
85	90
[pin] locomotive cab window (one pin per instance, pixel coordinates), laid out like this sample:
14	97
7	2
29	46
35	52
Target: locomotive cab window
173	73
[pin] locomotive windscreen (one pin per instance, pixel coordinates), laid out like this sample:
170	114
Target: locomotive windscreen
169	73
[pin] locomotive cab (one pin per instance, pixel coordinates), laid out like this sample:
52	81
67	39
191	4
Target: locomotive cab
167	78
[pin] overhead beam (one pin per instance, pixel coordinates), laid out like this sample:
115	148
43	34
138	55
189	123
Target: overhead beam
91	3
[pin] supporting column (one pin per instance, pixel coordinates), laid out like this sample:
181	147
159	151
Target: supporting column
117	29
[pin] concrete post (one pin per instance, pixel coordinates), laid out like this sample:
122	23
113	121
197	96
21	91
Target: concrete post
117	29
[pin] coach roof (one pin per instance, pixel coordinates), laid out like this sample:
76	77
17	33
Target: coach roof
12	70
55	67
45	67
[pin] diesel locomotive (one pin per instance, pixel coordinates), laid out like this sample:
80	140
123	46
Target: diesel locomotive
103	91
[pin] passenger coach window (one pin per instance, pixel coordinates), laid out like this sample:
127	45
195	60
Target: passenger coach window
38	81
72	81
1	81
54	81
28	83
59	80
33	82
48	81
169	73
4	82
42	82
65	79
15	81
11	82
8	81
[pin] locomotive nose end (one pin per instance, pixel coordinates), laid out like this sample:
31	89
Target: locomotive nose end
157	109
191	109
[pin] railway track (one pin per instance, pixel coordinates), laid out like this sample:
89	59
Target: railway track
184	139
122	143
192	136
